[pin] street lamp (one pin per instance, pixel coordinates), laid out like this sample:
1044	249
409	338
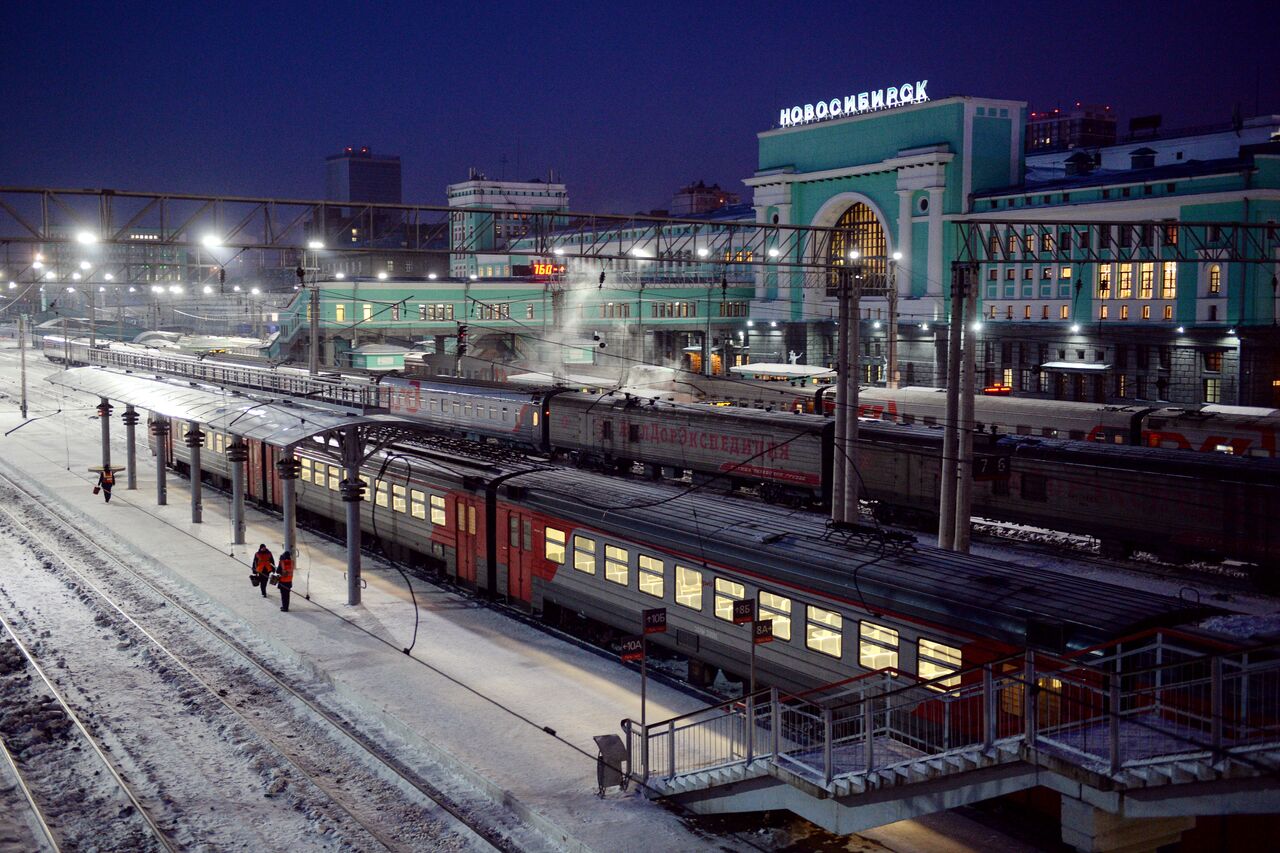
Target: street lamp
339	275
86	237
84	265
382	275
211	241
315	245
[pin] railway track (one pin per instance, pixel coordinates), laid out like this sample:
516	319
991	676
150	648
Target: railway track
315	740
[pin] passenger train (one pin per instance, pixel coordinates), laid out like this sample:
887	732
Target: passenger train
577	546
1176	504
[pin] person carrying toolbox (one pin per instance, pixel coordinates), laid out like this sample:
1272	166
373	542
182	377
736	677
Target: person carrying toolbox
263	564
283	577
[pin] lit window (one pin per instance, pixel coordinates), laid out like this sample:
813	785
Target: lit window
340	313
305	471
1102	312
822	631
939	661
438	517
471	520
689	587
1212	390
778	609
1125	290
1124	312
1065	272
335	476
1064	312
380	494
878	646
1146	312
397	499
555	545
367	311
615	564
1168	281
584	554
1168	312
1026	312
651	576
1215	280
417	504
1104	281
1146	279
727	592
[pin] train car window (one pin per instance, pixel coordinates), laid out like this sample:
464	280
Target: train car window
1049	432
462	517
417	504
616	564
908	420
505	418
493	413
368	487
471	520
823	631
335	475
651	577
688	587
877	646
1034	487
606	429
219	442
939	661
380	494
304	472
930	420
778	609
1024	429
727	592
466	410
535	417
513	531
397	499
528	535
438	516
584	554
553	548
633	432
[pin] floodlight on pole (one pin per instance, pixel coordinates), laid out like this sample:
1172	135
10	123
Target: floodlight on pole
382	276
109	277
339	275
315	244
84	265
86	237
432	276
854	255
211	241
557	251
897	256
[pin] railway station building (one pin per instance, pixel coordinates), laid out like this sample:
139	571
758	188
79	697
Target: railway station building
1053	325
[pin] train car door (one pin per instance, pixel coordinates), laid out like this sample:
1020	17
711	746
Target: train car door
469	518
253	470
270	476
519	556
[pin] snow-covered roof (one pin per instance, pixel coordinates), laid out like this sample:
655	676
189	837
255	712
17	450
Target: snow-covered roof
1074	365
279	422
795	371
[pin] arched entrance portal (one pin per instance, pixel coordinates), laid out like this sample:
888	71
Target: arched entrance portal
858	228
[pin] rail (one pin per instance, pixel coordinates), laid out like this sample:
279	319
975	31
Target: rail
1152	700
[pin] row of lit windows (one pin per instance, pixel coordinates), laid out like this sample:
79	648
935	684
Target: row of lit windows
878	645
675	309
465	408
1104	312
400	498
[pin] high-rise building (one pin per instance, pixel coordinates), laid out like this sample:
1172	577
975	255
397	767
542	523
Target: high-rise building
1084	126
357	174
700	198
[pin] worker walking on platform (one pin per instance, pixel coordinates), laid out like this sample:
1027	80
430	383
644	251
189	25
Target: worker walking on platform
106	479
284	575
263	564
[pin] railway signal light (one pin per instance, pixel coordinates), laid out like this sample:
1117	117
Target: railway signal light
462	339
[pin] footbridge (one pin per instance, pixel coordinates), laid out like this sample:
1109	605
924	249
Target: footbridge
1138	738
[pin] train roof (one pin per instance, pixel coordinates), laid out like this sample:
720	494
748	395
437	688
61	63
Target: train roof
964	593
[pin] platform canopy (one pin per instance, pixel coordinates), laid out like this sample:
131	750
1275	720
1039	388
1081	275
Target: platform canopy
282	422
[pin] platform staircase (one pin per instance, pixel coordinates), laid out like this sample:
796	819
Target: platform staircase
1158	709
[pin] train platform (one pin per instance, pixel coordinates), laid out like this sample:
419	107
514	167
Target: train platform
512	709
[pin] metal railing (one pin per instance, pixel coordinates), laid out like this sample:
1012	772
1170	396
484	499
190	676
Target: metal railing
1147	700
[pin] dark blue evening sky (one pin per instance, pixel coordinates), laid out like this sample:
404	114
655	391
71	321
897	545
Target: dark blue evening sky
626	101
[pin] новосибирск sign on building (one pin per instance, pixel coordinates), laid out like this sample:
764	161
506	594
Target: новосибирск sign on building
849	105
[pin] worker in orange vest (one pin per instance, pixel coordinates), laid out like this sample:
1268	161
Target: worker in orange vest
263	564
106	479
284	578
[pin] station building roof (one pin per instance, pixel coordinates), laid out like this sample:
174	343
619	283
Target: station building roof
281	422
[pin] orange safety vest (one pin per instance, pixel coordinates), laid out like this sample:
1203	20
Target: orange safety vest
285	570
262	562
108	478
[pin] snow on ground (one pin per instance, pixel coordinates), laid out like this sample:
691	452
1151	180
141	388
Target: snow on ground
506	708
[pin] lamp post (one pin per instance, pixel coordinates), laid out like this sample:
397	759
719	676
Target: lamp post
892	379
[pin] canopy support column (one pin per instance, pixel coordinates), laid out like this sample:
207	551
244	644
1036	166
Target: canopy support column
104	415
237	454
160	429
352	490
288	467
195	440
130	418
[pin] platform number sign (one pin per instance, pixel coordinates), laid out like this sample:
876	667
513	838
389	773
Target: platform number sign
990	467
633	648
744	611
762	631
655	620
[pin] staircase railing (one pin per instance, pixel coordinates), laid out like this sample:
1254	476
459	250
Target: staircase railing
1148	699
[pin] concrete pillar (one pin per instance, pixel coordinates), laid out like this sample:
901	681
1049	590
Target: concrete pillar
195	440
934	284
287	467
160	429
1091	830
237	455
352	489
104	415
130	418
904	239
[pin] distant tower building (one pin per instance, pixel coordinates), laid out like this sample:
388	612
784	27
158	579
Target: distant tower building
1085	126
489	232
700	198
357	174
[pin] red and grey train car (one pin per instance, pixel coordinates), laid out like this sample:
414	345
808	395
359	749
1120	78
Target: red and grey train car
565	542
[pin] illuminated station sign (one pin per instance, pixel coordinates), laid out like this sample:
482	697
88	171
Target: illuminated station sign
538	269
852	105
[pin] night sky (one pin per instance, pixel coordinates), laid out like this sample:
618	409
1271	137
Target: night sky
626	101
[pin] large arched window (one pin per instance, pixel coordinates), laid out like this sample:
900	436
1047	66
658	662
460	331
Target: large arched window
859	229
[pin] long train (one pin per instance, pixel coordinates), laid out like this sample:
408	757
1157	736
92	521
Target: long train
578	546
1176	504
